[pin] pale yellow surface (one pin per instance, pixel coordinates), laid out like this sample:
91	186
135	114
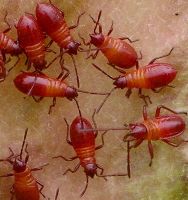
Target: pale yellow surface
158	29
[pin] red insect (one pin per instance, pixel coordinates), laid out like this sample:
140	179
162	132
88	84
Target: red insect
31	39
25	186
35	84
83	143
151	76
8	45
118	52
52	21
161	127
3	71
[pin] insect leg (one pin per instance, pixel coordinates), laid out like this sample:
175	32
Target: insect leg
111	29
93	55
144	97
12	192
173	144
150	148
158	111
94	123
145	115
52	105
37	100
17	61
66	159
72	170
78	21
40	190
5	20
154	59
67	136
39	168
116	68
128	93
7	175
127	38
102	138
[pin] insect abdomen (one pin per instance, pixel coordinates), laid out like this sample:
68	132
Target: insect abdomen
41	85
119	52
35	52
170	126
62	36
25	186
152	76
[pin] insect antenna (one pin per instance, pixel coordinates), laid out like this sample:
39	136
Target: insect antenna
25	135
105	99
57	193
106	129
76	71
96	22
98	68
82	124
128	159
95	93
83	192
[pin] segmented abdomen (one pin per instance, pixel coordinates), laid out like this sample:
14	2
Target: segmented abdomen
25	186
40	85
36	52
62	36
164	127
151	76
6	43
137	79
119	52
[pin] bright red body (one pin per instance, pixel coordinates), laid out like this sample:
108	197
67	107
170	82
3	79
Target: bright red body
152	76
31	39
51	19
83	142
117	51
158	128
25	186
43	85
9	46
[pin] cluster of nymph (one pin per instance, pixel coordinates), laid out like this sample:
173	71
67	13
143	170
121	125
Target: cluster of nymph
49	22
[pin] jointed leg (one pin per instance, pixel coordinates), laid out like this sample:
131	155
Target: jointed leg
158	111
39	168
127	38
93	55
173	144
78	21
5	20
153	60
12	192
67	136
144	97
72	171
111	29
128	93
145	115
52	105
40	190
102	138
37	100
116	68
150	148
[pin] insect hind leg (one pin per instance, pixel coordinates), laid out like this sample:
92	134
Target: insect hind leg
144	97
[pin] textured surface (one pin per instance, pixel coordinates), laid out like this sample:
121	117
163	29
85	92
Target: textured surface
158	29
